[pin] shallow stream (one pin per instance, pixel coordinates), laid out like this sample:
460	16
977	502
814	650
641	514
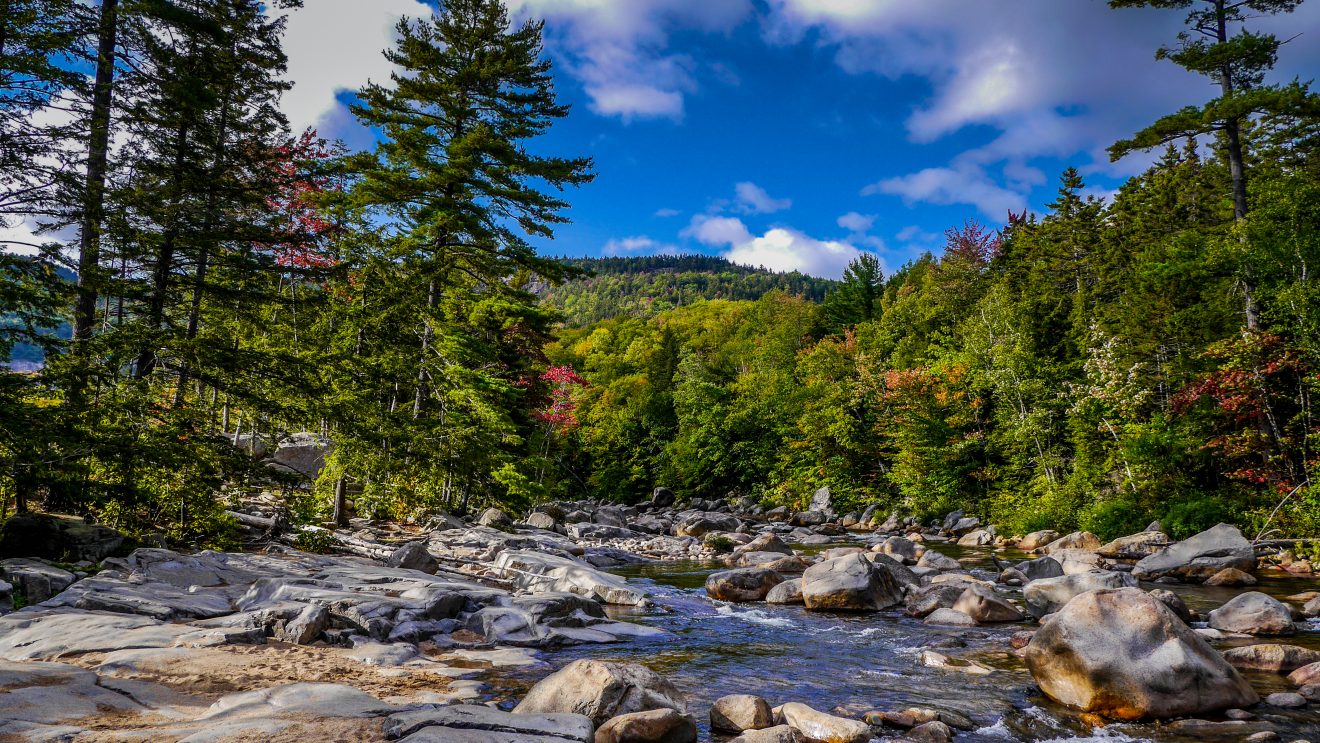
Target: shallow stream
861	662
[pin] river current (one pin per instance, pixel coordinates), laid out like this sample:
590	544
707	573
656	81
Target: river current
859	662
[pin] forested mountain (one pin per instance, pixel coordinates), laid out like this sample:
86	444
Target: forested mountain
641	286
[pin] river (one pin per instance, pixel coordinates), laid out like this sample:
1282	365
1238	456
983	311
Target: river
861	662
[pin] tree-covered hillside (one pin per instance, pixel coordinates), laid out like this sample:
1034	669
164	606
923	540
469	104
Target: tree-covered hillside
643	286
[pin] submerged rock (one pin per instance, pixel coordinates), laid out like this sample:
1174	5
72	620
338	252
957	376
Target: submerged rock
1123	654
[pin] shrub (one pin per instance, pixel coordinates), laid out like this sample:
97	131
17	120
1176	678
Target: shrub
1114	518
720	543
1195	514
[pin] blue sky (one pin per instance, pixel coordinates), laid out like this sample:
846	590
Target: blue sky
796	133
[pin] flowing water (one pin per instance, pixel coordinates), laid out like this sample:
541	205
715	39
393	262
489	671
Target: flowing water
861	662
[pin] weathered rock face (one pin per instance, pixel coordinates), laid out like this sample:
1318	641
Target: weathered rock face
1253	614
702	524
537	572
53	537
821	502
938	561
1271	658
662	498
651	726
850	583
1040	568
1037	539
819	726
985	606
1200	556
742	584
738	712
1078	540
602	690
788	592
38	580
1052	594
1122	654
540	520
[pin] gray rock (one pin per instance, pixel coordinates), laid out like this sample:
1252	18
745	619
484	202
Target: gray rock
1078	540
850	583
473	719
787	592
931	732
1135	546
899	548
984	606
602	690
537	572
36	579
766	543
495	518
742	584
303	453
662	498
540	521
950	618
1052	594
776	734
1253	613
976	538
305	628
1040	568
1200	556
821	502
923	601
414	556
1175	604
939	561
1122	654
702	524
1286	699
738	712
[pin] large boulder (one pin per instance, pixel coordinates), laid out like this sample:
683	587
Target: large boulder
602	690
540	520
662	498
821	502
742	584
1052	594
1123	654
414	556
1040	568
766	543
701	524
303	453
819	726
495	519
850	583
938	561
1253	613
1200	556
738	712
927	599
904	550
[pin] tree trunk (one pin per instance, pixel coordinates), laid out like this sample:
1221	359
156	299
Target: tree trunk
341	502
98	148
1236	164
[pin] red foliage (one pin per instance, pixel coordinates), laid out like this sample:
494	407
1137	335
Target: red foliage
304	226
561	411
972	242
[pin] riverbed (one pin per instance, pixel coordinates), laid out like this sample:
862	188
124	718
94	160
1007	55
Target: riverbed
860	662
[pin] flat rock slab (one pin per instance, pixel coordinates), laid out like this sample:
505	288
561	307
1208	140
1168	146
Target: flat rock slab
470	720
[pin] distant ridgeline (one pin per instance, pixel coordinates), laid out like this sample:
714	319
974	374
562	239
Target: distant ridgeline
25	356
647	285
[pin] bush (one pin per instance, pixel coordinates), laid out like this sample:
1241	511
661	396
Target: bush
314	540
1114	518
1196	514
720	543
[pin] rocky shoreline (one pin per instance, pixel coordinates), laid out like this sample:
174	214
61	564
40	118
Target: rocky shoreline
402	638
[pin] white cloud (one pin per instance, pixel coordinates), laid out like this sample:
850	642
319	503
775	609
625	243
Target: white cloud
713	231
779	249
962	184
752	199
335	46
666	213
637	244
618	49
857	223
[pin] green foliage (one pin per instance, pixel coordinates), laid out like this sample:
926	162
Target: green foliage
721	544
1116	517
318	541
1195	513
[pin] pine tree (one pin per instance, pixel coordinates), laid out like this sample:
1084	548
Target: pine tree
444	332
1237	62
857	298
